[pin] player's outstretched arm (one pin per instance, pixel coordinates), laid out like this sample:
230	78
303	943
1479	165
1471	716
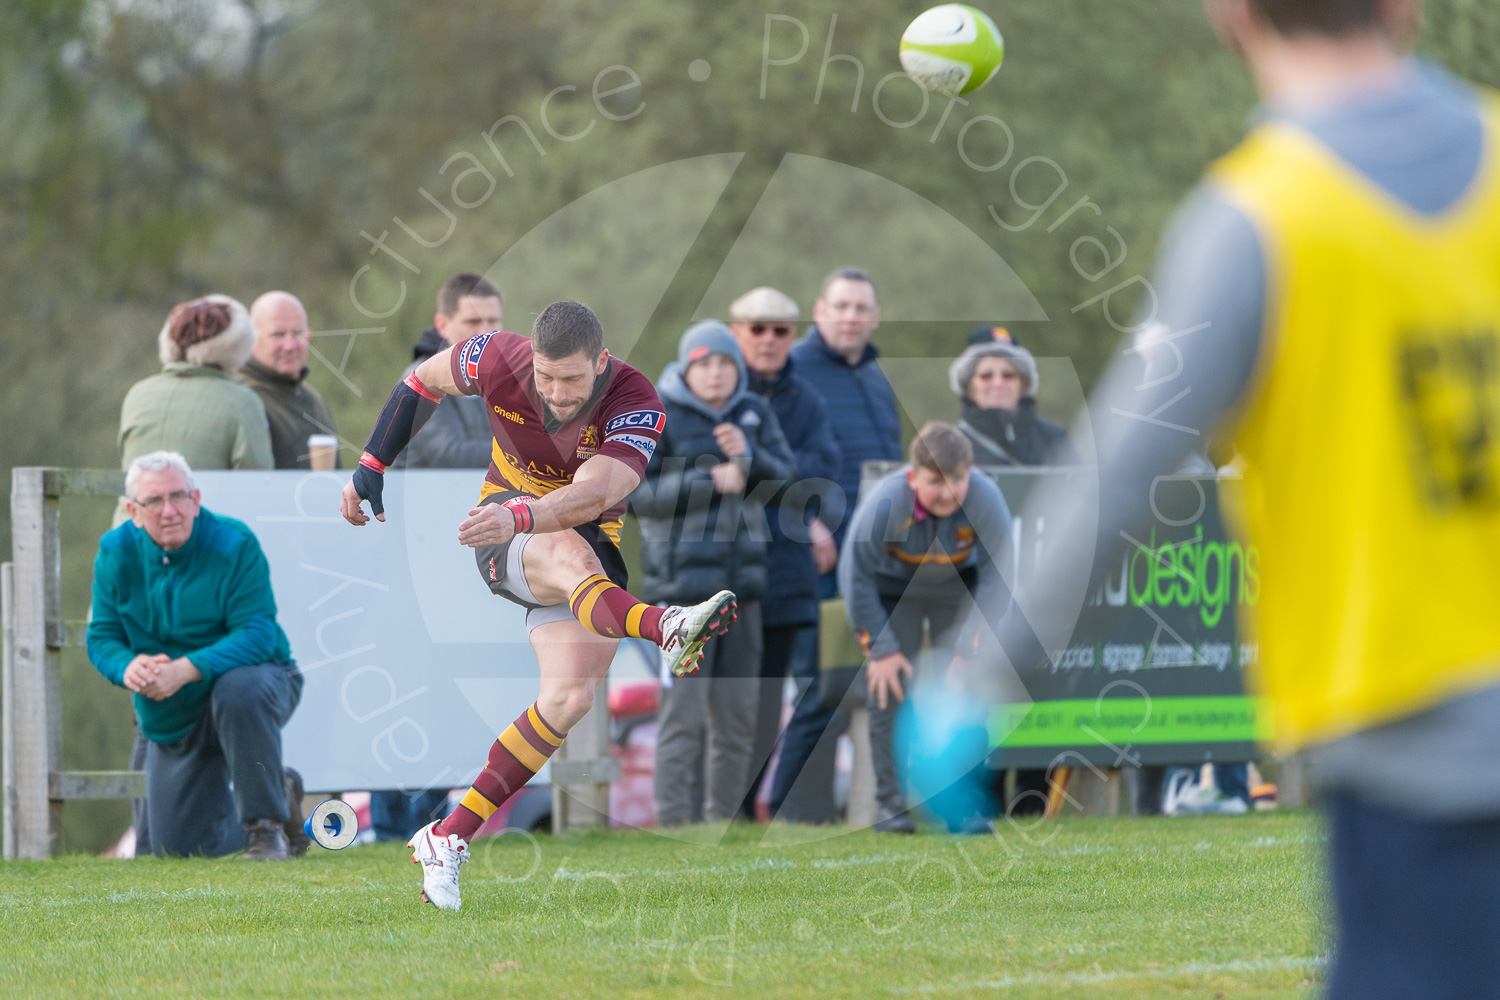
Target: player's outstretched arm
410	404
600	483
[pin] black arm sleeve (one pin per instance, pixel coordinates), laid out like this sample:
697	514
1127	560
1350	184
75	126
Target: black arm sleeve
408	408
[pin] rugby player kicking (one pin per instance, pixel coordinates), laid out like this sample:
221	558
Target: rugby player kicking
574	429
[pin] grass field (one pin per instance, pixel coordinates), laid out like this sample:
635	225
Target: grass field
1193	907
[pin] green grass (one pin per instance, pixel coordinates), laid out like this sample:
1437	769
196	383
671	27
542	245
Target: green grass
1193	907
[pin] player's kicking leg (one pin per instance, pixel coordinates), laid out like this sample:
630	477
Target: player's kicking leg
574	635
567	568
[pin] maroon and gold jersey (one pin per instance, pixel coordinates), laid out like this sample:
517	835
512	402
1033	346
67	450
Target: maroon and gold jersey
623	419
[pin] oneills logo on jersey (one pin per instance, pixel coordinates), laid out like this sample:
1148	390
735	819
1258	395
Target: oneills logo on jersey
508	415
469	360
636	420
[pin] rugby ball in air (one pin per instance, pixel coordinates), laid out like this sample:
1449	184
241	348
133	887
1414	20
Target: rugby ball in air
952	49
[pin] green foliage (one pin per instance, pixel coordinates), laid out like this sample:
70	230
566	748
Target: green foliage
1124	908
157	151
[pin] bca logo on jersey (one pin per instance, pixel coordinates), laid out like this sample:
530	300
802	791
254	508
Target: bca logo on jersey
469	360
637	420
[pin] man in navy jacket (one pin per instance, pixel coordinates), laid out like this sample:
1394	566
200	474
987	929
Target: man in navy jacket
837	359
764	322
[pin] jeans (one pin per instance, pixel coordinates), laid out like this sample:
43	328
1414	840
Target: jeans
1416	903
190	805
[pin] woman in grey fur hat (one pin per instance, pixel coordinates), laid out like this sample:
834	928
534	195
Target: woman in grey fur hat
996	383
193	406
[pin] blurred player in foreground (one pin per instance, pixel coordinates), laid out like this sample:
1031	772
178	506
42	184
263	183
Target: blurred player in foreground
1330	297
574	429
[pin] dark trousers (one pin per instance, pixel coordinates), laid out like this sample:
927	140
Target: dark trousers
190	805
398	815
777	645
138	817
940	612
802	790
1416	901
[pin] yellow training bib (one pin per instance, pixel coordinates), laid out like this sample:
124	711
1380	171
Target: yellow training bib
1372	485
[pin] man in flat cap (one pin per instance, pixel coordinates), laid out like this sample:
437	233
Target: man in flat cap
764	322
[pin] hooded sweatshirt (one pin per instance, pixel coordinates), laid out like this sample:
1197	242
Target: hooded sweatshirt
695	540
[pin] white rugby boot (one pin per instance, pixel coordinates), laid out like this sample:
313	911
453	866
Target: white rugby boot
685	629
441	858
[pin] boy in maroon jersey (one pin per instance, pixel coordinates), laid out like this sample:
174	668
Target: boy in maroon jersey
574	429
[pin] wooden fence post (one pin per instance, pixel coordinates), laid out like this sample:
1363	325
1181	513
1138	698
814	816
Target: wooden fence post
8	731
33	708
582	770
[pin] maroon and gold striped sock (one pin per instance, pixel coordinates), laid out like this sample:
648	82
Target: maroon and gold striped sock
515	757
606	609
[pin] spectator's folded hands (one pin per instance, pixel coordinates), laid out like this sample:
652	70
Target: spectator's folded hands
143	670
169	677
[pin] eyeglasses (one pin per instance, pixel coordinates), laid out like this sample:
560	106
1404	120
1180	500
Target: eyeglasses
179	498
1004	376
779	329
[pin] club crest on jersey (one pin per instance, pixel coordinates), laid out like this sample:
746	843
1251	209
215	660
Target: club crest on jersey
469	360
636	420
588	442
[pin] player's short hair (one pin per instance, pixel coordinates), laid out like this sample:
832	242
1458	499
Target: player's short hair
942	448
848	274
1333	18
462	286
156	461
567	328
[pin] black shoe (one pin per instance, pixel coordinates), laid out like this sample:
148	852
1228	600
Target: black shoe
296	837
265	840
900	822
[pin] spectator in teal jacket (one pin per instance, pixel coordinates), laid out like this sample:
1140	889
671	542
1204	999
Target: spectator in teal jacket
184	617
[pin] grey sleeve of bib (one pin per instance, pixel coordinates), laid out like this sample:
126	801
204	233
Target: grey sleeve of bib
1186	370
1154	406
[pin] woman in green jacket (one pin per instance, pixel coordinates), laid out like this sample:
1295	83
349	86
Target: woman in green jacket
194	406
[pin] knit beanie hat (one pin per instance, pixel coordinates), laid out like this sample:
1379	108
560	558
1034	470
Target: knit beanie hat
706	337
214	330
990	334
962	370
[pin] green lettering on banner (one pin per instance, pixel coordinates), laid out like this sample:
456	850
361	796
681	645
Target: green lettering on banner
1084	721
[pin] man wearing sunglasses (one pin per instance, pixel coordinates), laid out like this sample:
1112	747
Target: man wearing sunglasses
764	322
184	617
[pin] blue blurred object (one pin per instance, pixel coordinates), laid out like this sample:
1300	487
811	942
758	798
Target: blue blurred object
943	737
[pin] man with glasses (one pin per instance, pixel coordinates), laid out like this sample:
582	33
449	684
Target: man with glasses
277	371
764	322
184	617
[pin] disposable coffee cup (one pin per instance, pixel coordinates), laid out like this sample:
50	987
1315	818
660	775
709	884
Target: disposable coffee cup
323	450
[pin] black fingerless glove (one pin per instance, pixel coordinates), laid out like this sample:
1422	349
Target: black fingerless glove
369	482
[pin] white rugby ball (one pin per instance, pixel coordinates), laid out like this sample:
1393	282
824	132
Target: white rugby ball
952	49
